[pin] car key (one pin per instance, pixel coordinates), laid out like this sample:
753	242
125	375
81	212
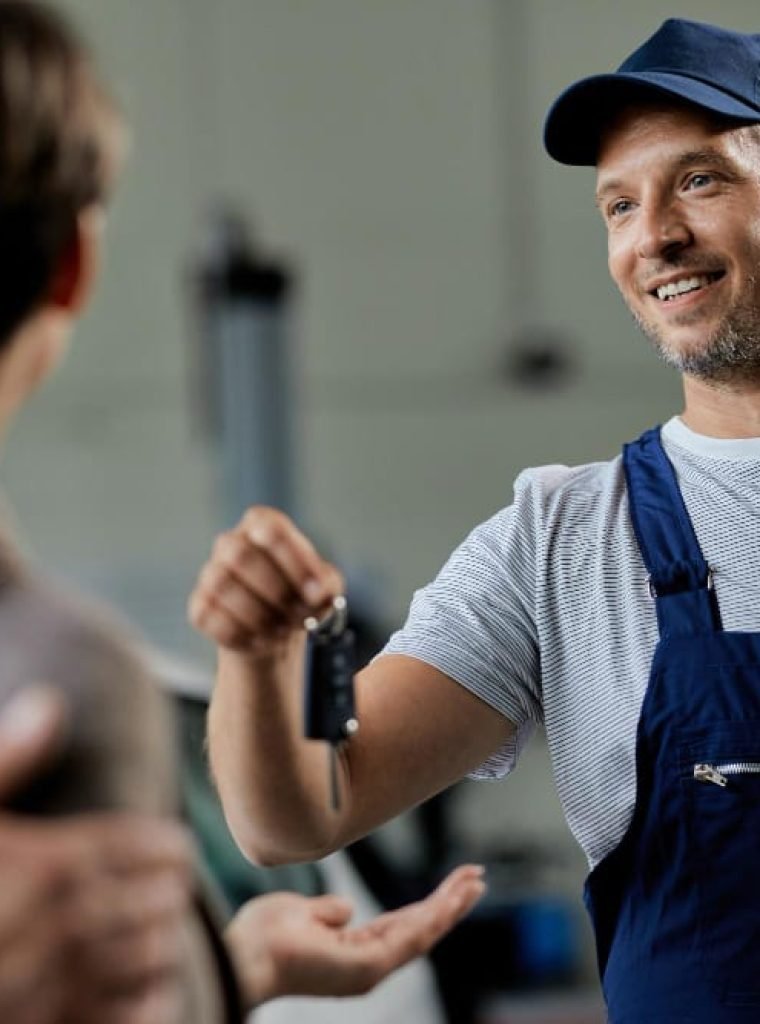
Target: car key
329	712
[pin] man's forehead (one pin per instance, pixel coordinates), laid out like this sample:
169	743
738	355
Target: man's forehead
666	132
638	119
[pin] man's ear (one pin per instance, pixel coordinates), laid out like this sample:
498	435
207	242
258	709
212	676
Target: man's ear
77	270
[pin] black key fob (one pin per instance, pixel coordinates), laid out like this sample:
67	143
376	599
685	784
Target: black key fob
329	712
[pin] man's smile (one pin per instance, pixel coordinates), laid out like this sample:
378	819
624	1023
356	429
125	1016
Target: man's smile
683	288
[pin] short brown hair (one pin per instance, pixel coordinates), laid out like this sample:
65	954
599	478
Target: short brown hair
60	136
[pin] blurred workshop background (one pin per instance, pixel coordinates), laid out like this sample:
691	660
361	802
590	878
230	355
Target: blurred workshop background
428	311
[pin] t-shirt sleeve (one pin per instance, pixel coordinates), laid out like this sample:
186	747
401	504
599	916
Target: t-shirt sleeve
475	622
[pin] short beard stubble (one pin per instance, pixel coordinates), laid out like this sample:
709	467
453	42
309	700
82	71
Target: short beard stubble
730	356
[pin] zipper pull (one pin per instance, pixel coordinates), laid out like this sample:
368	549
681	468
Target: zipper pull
707	773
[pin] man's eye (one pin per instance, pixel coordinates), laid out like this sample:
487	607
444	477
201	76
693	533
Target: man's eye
619	207
700	180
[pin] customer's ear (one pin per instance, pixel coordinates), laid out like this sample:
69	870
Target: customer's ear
74	278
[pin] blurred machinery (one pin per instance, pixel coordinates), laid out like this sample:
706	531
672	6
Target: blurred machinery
244	365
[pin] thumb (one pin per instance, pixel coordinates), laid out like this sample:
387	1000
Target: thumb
332	910
31	725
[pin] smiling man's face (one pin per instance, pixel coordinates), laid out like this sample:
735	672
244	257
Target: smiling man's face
680	196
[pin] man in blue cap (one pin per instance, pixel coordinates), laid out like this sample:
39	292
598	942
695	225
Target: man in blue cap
616	603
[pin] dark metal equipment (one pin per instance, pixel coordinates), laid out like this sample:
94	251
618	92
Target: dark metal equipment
244	368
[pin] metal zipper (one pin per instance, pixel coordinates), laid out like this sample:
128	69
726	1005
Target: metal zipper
718	773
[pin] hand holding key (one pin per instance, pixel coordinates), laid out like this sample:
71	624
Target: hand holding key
264	587
263	579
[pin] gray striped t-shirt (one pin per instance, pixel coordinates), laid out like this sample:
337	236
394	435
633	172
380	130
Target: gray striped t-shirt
544	612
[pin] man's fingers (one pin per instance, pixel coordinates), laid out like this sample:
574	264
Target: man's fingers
310	576
249	595
216	623
237	559
31	728
261	581
233	610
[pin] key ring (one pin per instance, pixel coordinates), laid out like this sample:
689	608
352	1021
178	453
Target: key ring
333	623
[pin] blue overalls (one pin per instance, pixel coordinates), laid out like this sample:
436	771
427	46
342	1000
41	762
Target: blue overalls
676	906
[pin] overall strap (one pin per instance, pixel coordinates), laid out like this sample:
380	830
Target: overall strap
680	578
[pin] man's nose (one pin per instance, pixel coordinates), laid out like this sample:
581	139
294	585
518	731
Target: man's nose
663	232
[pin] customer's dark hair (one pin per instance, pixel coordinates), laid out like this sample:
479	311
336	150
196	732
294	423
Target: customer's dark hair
60	136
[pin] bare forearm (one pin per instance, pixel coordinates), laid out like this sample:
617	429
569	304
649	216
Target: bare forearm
274	784
420	730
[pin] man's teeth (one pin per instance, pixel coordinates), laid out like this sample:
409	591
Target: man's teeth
687	284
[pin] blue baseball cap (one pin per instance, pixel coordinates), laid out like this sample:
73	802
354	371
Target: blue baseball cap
712	68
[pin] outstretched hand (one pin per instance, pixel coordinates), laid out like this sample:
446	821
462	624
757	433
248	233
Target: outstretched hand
288	944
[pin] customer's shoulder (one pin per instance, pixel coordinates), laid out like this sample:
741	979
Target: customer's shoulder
116	750
48	629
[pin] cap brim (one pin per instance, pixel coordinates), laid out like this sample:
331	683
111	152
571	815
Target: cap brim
577	118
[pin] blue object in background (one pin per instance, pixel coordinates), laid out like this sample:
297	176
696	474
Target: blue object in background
546	940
